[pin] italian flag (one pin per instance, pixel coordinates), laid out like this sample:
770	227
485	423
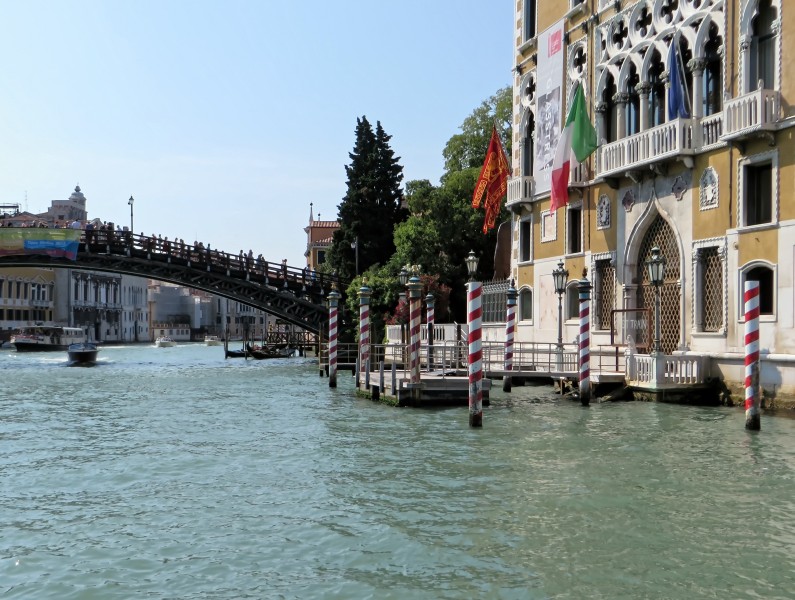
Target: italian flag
577	142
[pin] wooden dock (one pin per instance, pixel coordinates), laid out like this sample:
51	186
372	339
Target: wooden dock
444	380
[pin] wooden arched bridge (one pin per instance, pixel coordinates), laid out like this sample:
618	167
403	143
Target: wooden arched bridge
293	294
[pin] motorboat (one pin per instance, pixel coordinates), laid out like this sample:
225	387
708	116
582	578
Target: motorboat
83	353
165	341
213	340
45	338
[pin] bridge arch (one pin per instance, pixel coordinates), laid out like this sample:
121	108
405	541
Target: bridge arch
289	293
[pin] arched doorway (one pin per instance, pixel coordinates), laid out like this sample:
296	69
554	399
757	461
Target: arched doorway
661	234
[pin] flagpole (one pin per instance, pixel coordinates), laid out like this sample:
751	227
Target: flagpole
681	68
502	146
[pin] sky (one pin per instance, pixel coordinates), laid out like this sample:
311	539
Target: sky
225	120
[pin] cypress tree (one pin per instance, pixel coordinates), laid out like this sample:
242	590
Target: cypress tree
372	205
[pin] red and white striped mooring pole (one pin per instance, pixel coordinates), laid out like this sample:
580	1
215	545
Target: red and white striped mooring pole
364	327
510	329
333	309
751	299
415	321
430	302
584	287
475	358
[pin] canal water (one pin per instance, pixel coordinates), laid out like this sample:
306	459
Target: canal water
173	473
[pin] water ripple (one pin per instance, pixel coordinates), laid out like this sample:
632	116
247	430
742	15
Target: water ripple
176	474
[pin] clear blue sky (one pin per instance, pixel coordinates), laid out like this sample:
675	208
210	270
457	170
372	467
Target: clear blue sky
226	119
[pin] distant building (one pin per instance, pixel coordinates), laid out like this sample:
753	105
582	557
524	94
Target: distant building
109	307
174	306
319	235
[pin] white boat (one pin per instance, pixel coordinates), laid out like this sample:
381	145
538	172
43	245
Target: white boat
165	341
44	338
213	340
84	353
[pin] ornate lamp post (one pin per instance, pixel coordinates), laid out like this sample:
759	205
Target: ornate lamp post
131	201
656	270
355	248
560	276
475	357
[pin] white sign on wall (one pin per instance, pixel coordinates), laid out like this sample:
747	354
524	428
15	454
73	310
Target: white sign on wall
549	104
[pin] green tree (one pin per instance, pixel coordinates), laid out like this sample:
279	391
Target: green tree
467	150
372	205
443	227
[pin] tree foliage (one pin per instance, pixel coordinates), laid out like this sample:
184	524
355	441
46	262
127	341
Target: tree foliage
443	227
437	232
467	150
372	205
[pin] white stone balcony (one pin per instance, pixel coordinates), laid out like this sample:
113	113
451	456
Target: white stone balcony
520	189
751	114
676	139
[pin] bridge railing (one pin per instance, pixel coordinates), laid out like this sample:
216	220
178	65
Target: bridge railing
198	255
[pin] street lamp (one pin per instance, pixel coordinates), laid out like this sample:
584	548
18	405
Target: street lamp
131	201
403	277
472	265
355	247
656	270
559	276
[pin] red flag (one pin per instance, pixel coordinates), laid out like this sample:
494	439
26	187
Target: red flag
493	181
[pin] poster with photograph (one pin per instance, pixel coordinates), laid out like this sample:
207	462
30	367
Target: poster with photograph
549	104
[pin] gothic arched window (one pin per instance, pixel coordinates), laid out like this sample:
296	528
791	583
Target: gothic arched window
657	92
712	83
763	48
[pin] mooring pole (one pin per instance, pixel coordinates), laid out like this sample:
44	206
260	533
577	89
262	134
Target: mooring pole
333	304
475	362
510	327
751	297
584	288
415	322
430	302
364	325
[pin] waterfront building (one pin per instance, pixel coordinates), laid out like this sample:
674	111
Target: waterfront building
201	313
26	298
319	235
705	180
108	307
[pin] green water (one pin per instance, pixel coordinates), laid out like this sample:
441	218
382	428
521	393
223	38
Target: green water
171	473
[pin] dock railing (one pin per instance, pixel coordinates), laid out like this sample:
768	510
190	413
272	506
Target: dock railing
667	369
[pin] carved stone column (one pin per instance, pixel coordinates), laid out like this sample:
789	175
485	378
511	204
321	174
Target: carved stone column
745	64
697	66
601	121
643	89
621	99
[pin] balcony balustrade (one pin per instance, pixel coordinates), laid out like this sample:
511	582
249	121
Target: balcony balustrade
678	138
520	189
751	114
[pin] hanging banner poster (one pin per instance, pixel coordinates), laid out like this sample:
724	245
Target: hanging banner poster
57	243
549	104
